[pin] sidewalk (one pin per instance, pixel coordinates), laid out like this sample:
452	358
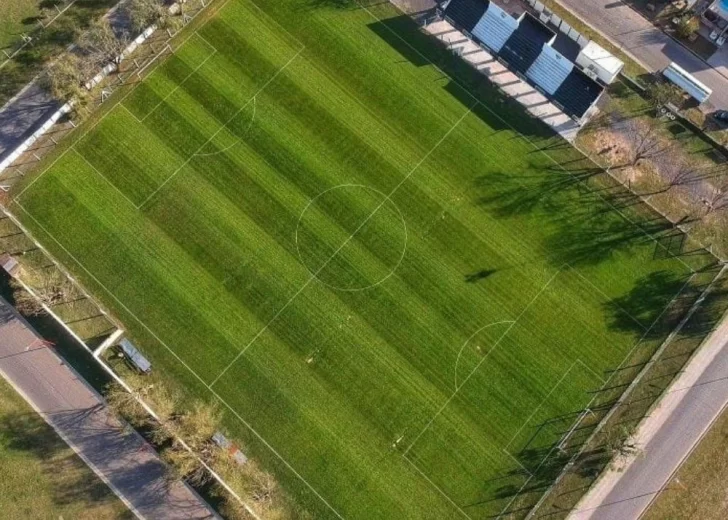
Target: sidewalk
22	115
32	105
666	437
121	458
646	44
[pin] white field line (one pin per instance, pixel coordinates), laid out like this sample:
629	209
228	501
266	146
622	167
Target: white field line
238	140
587	280
169	94
97	281
525	138
224	125
467	342
174	354
370	286
543	401
314	276
101	175
94	125
445	495
606	382
202	381
502	337
265	15
590	369
513	458
132	314
156	56
275	452
132	88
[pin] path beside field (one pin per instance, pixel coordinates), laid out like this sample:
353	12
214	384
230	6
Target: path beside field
33	105
119	456
666	437
23	115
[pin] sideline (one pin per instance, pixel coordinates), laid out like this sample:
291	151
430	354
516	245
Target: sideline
667	435
118	455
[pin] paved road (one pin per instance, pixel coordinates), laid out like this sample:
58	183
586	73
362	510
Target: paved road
123	459
23	115
667	437
639	38
32	106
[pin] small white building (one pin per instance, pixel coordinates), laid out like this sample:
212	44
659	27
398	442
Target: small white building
596	59
686	81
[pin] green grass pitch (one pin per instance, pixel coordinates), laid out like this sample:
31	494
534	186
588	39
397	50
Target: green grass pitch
394	282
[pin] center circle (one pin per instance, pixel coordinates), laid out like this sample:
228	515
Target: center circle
351	237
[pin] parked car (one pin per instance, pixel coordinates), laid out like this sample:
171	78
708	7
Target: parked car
721	115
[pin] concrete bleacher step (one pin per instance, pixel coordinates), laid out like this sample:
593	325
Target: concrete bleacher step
533	101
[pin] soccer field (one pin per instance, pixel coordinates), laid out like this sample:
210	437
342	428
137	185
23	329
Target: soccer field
400	288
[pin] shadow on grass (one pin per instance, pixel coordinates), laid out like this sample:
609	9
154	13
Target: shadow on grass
63	343
466	84
68	480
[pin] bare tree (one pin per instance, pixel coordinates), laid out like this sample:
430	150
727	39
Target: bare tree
717	200
143	13
198	424
50	285
646	142
620	442
25	303
185	465
126	404
63	77
675	170
100	43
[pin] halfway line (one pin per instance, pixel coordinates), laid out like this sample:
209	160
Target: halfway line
314	276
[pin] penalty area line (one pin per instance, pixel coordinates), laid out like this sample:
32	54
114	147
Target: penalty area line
503	336
182	362
223	126
314	276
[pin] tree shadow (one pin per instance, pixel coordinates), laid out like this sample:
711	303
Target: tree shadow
337	4
656	303
67	478
509	195
31	20
464	82
477	276
64	344
596	238
645	303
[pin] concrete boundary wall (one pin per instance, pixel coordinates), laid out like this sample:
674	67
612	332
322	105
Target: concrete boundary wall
22	147
65	109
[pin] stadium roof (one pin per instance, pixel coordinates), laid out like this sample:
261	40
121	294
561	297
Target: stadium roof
467	13
530	48
525	44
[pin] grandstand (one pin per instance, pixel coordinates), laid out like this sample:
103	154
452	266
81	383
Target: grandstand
531	49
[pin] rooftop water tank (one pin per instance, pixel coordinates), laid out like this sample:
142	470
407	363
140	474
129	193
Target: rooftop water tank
721	7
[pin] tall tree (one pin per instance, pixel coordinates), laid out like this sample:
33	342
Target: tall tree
646	142
101	45
63	76
143	13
